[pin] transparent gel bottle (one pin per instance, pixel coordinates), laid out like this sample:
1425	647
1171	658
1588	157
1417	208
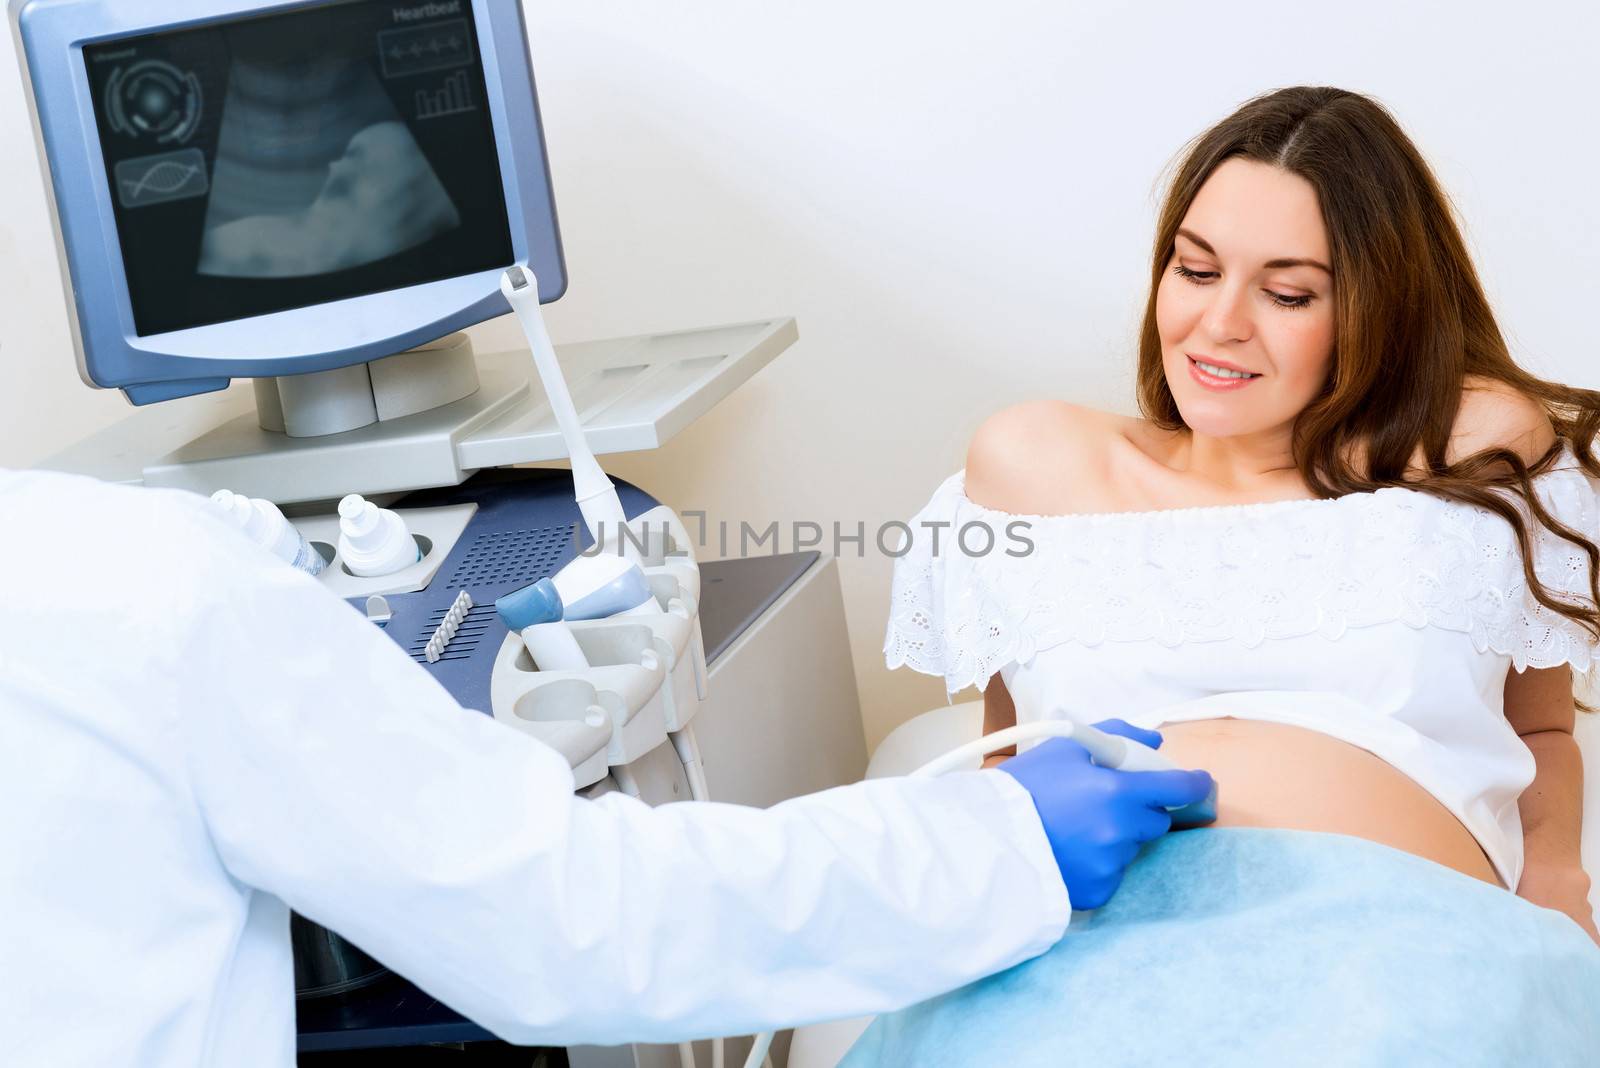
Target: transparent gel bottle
263	524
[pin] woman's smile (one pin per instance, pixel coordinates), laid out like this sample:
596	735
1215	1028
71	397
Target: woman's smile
1217	377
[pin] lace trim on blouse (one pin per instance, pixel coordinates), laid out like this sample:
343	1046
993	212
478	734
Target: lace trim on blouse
1248	573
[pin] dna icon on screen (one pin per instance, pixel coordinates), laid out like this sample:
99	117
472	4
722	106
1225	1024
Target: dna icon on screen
158	179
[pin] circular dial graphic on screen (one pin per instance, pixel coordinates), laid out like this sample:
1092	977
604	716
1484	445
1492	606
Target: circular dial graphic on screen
153	99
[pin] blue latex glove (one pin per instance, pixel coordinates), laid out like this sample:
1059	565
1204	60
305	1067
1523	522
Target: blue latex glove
1096	818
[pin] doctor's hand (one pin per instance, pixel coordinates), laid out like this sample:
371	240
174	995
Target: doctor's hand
1096	818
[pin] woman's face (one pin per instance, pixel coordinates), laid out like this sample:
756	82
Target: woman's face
1247	289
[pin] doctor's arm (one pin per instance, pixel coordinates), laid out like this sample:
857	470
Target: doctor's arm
1539	706
335	773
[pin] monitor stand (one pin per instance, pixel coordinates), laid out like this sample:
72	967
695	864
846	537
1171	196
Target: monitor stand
349	398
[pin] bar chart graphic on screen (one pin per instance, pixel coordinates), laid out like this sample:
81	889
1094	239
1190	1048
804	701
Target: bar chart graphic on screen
453	99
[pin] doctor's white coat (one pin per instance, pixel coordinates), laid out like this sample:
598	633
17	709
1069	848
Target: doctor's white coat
195	739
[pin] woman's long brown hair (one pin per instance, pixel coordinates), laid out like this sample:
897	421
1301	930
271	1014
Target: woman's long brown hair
1411	321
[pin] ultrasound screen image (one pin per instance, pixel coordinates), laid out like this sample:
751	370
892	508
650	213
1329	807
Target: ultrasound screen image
282	161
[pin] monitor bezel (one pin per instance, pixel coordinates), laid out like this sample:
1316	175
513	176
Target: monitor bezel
52	35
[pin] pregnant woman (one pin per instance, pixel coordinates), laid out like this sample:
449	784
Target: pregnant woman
1346	562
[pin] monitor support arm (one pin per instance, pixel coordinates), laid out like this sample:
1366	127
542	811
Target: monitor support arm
348	398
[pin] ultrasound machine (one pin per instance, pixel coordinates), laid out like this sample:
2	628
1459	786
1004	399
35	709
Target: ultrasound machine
282	228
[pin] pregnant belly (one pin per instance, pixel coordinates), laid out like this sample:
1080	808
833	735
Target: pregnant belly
1273	775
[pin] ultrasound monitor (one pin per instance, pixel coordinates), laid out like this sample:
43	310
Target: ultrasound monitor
260	190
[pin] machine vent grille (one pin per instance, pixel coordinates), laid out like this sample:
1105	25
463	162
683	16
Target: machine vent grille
463	645
510	558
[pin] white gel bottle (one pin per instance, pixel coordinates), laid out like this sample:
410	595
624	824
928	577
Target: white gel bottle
374	541
264	524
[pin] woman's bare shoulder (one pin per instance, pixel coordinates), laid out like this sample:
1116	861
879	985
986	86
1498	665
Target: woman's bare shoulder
1496	415
1020	457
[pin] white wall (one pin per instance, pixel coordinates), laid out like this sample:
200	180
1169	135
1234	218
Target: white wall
955	204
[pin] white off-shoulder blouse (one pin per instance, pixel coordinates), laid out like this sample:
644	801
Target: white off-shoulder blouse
1387	620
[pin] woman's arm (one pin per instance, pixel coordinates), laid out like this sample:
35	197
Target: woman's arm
1538	703
1539	706
1003	472
998	713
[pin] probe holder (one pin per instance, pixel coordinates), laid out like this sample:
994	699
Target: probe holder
648	672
